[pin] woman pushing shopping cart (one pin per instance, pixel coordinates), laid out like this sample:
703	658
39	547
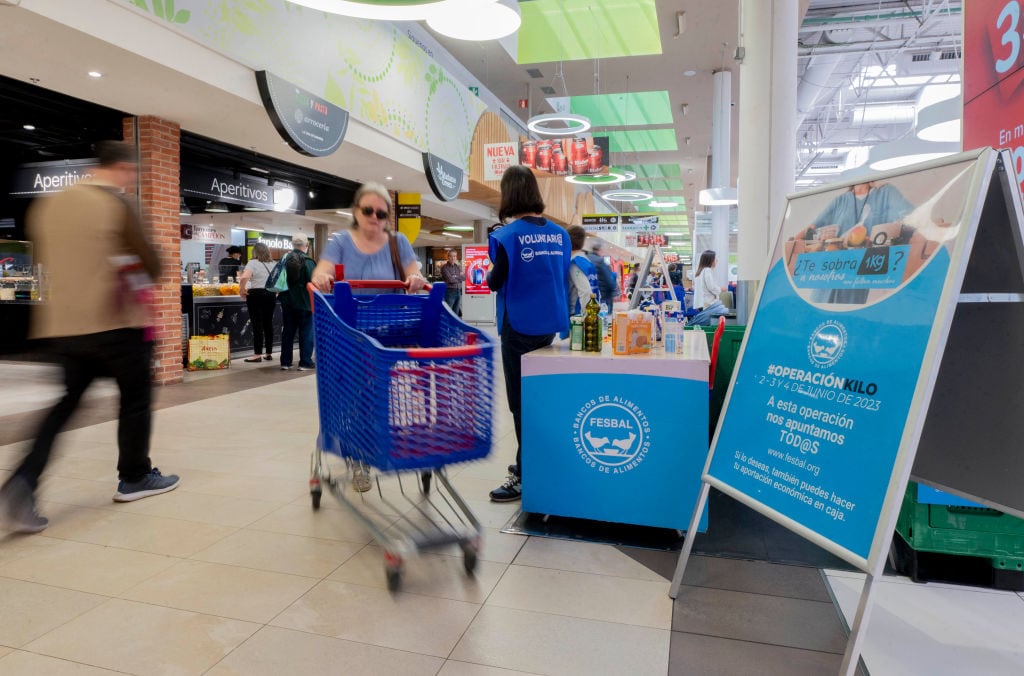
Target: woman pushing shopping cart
404	389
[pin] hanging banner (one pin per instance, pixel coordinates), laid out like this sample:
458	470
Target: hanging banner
311	125
570	156
993	78
248	191
445	179
826	402
477	260
497	158
408	213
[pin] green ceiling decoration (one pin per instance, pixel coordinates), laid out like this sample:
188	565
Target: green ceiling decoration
654	184
622	110
641	140
570	30
645	171
669	220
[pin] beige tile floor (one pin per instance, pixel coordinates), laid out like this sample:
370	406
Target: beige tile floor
234	573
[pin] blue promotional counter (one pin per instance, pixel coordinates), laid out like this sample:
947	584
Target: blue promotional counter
616	438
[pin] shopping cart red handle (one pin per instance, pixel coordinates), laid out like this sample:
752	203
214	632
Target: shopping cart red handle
378	284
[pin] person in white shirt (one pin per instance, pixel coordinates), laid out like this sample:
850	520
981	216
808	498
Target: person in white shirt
706	291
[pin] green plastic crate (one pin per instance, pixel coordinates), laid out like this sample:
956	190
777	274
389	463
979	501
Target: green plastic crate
965	531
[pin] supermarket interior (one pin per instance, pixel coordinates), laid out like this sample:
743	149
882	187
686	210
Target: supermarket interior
782	437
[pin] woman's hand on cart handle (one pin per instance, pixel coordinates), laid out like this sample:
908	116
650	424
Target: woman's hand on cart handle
323	281
416	283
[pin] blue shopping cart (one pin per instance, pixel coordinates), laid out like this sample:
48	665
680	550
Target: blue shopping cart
403	386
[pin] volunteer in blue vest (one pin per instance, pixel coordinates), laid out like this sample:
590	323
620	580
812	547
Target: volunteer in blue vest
530	272
583	279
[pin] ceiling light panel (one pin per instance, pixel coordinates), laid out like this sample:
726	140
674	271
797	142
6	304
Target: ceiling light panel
570	30
641	141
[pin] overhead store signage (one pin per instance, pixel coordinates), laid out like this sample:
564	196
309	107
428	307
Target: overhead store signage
310	124
640	222
248	191
445	178
498	157
43	178
993	74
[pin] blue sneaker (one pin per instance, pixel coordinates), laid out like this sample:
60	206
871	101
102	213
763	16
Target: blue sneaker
151	484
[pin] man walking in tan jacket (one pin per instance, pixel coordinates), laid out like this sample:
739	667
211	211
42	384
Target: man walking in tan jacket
93	323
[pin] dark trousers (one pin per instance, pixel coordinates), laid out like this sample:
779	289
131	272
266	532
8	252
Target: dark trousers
261	315
123	355
513	346
296	320
453	297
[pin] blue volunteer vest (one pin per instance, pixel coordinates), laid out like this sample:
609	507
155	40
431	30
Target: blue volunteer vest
590	270
535	295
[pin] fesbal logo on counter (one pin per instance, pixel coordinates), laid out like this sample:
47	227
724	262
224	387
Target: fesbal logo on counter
611	434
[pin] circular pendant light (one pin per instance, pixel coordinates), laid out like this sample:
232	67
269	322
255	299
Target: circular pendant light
626	195
572	124
474	20
597	180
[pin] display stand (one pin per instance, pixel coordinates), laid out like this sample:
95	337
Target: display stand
863	374
653	258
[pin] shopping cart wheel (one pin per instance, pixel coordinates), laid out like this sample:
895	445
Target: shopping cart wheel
315	491
393	570
425	477
469	557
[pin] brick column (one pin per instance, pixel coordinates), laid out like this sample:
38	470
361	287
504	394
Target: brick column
159	143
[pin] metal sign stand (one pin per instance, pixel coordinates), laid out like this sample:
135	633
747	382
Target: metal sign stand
654	257
980	472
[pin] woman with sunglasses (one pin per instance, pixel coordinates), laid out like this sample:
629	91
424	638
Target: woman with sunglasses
366	250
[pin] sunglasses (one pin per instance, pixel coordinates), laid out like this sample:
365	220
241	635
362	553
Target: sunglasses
370	211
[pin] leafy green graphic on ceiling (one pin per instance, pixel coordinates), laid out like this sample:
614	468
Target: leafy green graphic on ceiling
569	30
366	67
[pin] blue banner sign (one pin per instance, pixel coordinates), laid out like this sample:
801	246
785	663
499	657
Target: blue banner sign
823	397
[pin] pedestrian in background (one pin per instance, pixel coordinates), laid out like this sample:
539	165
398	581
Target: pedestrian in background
92	244
252	287
296	311
451	274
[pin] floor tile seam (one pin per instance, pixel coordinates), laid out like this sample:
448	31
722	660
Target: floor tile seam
760	594
765	643
115	510
401	590
57	587
743	591
487	602
217	563
342	639
278	532
320	578
189	610
117	547
64	659
662	580
105	600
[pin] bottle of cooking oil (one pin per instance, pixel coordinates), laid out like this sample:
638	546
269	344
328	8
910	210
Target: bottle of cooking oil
592	326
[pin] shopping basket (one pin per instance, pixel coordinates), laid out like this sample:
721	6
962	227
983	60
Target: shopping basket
402	384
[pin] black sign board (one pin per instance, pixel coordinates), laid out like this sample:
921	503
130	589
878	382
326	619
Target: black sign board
308	123
600	220
445	178
42	178
248	191
408	211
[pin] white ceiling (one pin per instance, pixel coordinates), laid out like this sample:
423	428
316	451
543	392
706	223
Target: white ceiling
150	77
